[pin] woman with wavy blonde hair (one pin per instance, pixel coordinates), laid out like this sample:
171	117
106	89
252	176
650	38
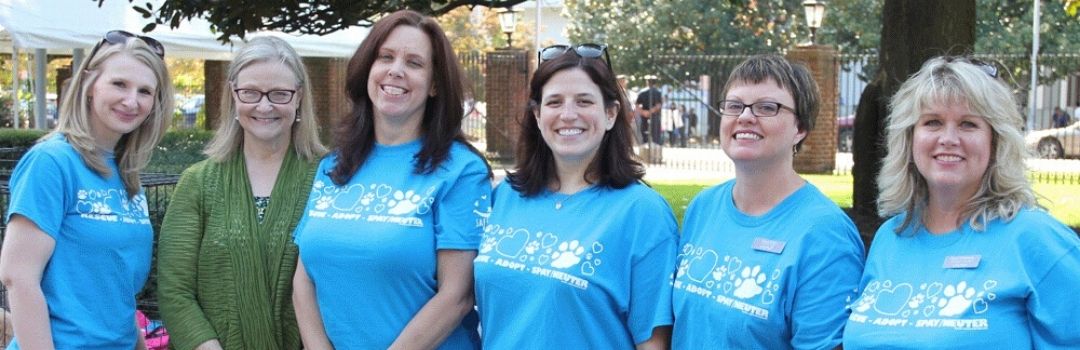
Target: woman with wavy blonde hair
968	259
78	242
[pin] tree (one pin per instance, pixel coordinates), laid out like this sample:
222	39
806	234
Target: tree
912	32
232	18
477	29
640	32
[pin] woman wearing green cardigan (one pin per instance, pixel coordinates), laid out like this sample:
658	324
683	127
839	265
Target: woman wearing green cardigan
226	257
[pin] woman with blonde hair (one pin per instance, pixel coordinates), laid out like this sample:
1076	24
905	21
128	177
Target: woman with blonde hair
226	256
968	259
78	242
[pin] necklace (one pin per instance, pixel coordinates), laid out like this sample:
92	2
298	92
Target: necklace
565	197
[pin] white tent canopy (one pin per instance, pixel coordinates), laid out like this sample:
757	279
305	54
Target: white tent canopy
62	25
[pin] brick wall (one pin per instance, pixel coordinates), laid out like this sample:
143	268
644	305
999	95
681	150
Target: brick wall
328	89
507	83
818	154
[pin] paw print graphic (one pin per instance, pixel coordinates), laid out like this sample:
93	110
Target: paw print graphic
956	299
719	272
568	254
532	247
403	203
684	265
749	282
487	245
323	202
917	300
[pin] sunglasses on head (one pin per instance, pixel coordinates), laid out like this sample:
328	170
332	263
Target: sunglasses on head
582	50
114	37
987	68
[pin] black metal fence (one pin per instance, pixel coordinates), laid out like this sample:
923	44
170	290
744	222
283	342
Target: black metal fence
158	189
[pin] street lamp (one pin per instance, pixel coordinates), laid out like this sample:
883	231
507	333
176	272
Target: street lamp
815	12
507	21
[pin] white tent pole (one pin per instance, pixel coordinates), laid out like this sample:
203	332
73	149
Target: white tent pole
15	87
40	82
1033	96
77	56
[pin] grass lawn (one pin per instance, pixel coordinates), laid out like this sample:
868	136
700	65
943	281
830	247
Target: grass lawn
1062	200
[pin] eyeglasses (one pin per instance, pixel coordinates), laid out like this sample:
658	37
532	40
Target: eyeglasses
114	37
274	96
987	68
582	50
760	109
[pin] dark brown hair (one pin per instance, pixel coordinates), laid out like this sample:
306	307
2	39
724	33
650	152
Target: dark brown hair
793	77
355	133
614	165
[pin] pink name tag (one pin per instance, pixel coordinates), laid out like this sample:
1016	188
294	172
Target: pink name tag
962	261
768	245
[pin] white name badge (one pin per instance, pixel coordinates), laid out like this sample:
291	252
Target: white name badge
962	261
768	245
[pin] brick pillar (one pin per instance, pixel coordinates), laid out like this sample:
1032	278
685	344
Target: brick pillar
214	73
507	85
328	90
818	154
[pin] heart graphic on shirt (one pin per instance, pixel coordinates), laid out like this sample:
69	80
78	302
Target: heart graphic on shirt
701	265
512	244
892	301
733	264
549	240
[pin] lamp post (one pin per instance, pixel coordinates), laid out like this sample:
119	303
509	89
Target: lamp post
507	21
815	12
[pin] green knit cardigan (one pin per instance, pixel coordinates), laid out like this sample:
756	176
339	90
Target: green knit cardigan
222	274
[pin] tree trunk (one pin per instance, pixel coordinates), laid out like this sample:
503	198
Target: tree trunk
912	32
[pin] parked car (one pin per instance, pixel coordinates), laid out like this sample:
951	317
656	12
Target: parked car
845	132
1056	143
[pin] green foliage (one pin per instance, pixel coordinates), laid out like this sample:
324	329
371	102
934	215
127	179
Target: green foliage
20	138
229	18
178	150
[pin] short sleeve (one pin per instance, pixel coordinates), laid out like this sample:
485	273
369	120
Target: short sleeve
829	272
462	210
653	268
1052	304
38	189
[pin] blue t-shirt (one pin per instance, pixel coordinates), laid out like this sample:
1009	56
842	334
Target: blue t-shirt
1012	286
369	246
781	280
103	242
590	270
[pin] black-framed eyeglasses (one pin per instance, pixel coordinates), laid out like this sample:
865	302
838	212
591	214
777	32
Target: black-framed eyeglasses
279	97
763	109
114	37
986	67
587	50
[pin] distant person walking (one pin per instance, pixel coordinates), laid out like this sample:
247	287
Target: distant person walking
648	105
1060	117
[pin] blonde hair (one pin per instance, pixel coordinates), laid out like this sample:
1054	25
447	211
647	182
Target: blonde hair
1004	189
135	148
229	136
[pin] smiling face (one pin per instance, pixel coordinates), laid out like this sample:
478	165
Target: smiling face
264	121
121	98
747	138
400	80
572	118
951	148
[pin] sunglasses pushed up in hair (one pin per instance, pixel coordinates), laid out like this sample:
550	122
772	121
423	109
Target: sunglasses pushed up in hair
582	50
986	67
114	37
